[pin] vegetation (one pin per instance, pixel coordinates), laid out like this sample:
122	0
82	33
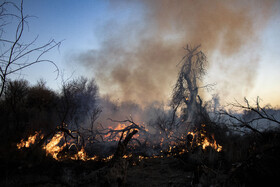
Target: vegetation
56	138
225	148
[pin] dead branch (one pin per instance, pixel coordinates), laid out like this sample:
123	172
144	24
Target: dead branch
121	149
259	113
133	126
242	122
15	53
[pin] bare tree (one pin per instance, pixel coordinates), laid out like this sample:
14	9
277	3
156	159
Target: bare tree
185	92
15	54
254	118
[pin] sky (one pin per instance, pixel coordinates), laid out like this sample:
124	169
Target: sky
133	48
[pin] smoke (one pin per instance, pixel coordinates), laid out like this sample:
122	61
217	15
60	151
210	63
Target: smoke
140	46
121	111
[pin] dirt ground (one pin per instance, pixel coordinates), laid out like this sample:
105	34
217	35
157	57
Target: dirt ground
190	169
159	172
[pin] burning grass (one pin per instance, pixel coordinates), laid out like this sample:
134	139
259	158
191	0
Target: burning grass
61	146
31	140
198	155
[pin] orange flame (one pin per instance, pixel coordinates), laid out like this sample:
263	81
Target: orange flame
56	145
52	148
31	140
118	127
82	155
207	143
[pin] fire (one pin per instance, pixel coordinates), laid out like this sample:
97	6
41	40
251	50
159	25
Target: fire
82	155
31	140
127	156
108	158
52	148
57	147
206	142
192	133
119	127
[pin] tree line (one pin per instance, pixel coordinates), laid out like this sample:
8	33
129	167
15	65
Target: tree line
26	108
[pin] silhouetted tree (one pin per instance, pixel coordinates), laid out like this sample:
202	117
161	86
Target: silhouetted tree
15	102
41	103
255	118
78	102
15	54
185	93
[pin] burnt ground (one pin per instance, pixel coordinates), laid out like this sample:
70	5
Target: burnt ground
160	172
189	169
241	163
148	172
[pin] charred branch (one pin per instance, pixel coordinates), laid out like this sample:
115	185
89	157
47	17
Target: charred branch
121	149
185	92
112	133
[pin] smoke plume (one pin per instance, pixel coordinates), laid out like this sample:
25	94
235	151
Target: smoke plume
141	46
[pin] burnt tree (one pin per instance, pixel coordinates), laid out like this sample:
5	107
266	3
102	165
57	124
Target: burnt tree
185	93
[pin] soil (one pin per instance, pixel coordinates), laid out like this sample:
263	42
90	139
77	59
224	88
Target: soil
160	172
189	169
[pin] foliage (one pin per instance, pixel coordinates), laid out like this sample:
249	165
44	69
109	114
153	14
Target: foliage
25	109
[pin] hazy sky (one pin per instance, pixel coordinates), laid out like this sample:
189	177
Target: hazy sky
132	48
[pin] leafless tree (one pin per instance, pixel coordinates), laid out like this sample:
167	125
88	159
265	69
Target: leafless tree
15	54
185	92
254	118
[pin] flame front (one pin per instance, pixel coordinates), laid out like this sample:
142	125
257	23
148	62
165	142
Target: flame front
119	127
82	155
31	140
52	148
206	142
168	147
